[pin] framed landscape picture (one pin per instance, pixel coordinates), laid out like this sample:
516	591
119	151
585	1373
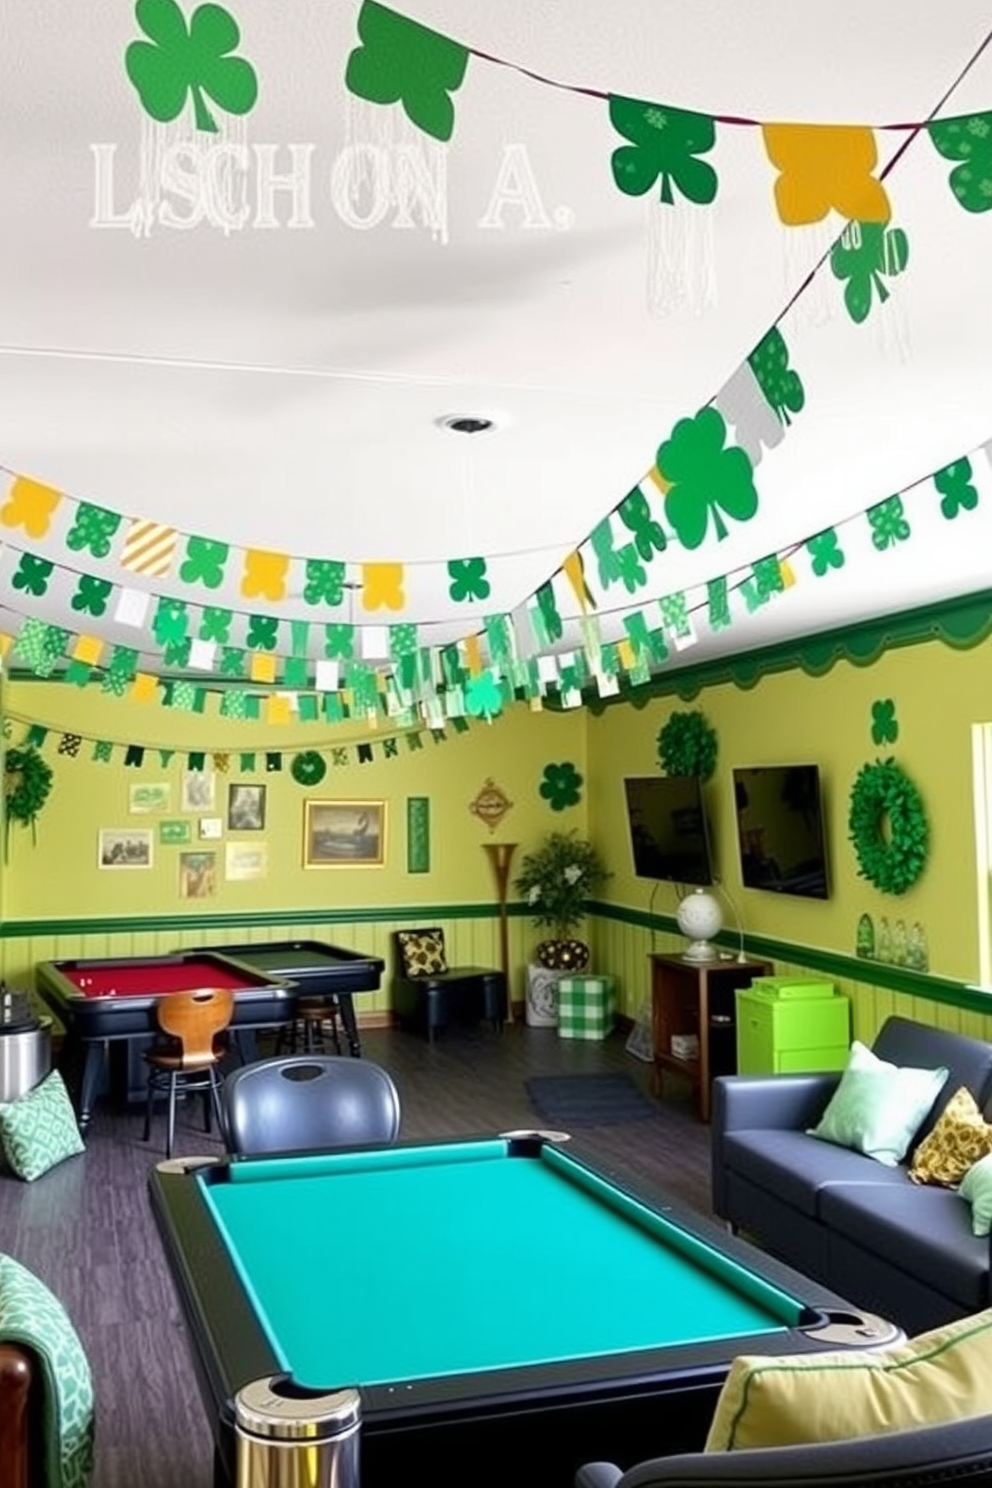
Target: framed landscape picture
344	834
124	848
151	797
198	790
245	861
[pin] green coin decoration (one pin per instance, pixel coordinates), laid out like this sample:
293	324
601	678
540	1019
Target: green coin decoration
308	768
888	827
687	745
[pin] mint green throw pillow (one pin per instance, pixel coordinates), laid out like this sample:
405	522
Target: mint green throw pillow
878	1108
976	1187
39	1129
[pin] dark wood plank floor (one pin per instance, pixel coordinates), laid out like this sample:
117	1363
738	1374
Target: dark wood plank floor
86	1228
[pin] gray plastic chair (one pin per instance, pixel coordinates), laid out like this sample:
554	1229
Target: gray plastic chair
309	1103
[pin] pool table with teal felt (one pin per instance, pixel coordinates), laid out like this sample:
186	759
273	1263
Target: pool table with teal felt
499	1304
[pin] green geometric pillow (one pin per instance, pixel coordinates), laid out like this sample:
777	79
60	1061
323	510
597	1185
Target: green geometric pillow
31	1316
39	1129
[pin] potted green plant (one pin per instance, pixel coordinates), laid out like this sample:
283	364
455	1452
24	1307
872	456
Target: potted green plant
556	880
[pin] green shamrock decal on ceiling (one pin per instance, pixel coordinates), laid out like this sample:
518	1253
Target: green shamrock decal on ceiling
400	61
866	254
93	529
954	485
561	786
782	387
664	143
325	581
176	61
33	574
92	595
968	139
707	481
884	728
484	695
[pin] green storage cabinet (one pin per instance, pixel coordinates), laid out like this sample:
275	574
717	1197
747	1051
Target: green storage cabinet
791	1025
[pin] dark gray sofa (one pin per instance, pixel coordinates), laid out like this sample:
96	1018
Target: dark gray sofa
894	1247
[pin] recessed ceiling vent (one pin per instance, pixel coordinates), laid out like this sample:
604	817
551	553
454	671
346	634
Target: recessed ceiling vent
467	423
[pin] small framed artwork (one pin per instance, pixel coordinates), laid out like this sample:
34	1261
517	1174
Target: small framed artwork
211	827
175	833
197	875
245	861
157	797
198	790
344	834
246	808
124	849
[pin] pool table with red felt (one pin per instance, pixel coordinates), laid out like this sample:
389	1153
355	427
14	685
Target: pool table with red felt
107	999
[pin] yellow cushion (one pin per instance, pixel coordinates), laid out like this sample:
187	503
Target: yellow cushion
958	1140
777	1402
423	952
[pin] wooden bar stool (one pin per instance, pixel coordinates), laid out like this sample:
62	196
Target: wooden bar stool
189	1054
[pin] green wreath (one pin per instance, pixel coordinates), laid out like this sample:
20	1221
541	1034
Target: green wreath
308	768
687	746
888	827
27	781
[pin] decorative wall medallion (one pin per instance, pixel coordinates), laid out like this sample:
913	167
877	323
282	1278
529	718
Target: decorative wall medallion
491	804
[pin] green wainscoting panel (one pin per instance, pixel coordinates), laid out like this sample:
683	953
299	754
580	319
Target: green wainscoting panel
418	834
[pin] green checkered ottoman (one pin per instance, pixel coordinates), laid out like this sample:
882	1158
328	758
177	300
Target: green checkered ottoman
585	1007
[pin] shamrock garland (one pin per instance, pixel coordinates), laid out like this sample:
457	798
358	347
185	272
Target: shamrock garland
27	780
888	827
687	746
308	768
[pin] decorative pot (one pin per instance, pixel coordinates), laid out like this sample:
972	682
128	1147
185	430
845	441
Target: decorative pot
563	955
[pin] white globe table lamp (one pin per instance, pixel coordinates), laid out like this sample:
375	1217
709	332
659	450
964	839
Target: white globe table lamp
700	917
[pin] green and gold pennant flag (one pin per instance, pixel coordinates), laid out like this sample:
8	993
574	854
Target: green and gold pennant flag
247	763
307	709
134	756
103	751
35	736
197	760
365	754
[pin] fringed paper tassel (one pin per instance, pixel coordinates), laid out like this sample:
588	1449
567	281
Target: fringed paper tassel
390	172
807	248
156	142
681	259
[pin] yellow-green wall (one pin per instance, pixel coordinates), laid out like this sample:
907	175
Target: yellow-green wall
790	717
786	717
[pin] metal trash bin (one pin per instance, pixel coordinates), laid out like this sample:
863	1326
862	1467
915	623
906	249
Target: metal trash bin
25	1045
288	1438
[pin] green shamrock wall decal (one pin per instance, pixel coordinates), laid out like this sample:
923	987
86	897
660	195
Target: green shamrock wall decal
707	480
968	139
561	786
884	728
865	254
400	61
176	61
664	143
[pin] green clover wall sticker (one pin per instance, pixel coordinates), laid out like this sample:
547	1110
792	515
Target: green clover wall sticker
968	139
884	728
707	480
954	484
177	61
664	143
865	254
561	786
400	61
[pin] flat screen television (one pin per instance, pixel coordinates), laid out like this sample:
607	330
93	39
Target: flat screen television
780	829
668	831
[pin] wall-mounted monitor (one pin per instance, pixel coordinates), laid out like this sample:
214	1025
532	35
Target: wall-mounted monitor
780	829
668	831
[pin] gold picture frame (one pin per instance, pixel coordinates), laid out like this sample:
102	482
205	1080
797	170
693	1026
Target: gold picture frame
344	834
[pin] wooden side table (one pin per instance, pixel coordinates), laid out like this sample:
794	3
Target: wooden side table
696	1001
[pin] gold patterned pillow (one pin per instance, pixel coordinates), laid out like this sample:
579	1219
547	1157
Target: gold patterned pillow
960	1138
422	952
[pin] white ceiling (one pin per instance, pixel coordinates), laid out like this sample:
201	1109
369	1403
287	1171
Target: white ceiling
280	387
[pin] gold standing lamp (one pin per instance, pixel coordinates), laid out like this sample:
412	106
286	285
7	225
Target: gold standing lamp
500	855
